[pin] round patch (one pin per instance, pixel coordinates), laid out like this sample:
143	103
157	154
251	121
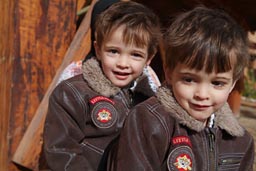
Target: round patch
104	115
181	159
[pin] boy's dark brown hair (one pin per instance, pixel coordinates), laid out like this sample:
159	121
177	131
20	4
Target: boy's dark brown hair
142	26
206	39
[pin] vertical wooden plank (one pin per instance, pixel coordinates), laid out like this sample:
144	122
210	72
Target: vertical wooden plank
6	61
30	145
42	31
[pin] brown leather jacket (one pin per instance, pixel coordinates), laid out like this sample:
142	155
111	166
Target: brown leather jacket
159	135
85	114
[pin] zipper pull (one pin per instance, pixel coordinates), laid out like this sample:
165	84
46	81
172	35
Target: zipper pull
212	153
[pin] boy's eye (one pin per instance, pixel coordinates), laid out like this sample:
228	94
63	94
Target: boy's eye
187	79
218	83
112	51
137	55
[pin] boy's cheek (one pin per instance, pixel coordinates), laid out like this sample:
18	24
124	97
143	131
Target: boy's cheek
222	98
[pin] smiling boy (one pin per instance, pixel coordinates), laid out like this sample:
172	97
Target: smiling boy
122	62
87	111
188	125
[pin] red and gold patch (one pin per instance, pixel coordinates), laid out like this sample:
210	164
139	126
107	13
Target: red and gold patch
181	159
104	114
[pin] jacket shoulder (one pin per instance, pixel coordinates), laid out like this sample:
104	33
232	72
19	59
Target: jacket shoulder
75	84
153	112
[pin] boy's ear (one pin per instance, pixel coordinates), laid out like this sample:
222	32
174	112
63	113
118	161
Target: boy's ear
233	85
97	50
167	75
150	59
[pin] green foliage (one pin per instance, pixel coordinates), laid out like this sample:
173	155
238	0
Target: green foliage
250	85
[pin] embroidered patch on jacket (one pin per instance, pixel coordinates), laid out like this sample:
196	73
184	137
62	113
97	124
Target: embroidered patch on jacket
104	114
99	99
181	159
181	140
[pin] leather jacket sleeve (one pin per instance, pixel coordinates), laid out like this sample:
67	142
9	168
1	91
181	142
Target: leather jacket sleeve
140	145
62	133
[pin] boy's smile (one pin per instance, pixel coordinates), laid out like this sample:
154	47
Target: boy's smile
121	63
121	75
199	107
198	92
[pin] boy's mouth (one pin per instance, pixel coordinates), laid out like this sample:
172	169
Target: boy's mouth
199	106
121	75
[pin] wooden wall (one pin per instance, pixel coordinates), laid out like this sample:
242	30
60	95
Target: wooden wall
34	36
6	62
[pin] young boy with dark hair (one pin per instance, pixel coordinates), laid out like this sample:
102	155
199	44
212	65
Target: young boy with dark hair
188	125
87	111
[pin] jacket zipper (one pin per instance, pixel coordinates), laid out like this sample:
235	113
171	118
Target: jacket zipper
211	141
128	98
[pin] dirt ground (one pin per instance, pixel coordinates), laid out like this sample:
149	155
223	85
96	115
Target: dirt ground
248	119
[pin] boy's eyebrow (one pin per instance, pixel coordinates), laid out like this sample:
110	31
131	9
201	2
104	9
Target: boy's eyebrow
139	51
187	71
110	46
223	78
194	72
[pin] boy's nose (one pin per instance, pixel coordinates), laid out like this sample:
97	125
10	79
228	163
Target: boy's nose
202	92
123	61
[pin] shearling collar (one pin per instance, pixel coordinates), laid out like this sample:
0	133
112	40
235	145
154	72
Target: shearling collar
93	74
224	116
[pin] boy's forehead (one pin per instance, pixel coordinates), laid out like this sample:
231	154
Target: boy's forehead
128	36
184	69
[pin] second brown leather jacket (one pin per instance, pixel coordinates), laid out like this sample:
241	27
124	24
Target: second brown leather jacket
159	135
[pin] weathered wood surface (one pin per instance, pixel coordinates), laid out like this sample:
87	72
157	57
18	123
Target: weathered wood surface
35	34
29	149
6	63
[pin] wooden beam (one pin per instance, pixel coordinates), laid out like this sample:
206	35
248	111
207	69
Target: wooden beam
29	149
43	31
6	63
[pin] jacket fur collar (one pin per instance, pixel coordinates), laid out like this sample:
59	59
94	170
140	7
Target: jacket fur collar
224	117
93	74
